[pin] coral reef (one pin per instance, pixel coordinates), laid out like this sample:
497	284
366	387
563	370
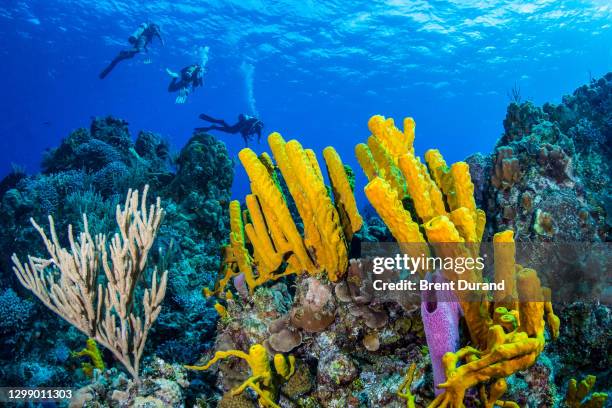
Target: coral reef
37	352
270	300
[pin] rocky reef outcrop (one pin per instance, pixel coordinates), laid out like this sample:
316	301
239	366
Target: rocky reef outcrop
549	180
549	176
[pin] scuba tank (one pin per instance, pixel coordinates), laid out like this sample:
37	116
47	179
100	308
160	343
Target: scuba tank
139	31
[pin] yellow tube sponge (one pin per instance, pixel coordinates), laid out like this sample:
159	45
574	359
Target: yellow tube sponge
279	240
343	194
263	186
221	310
531	306
552	319
385	201
504	355
577	393
236	226
279	150
418	186
266	160
92	351
330	245
278	246
394	141
409	126
481	221
437	168
314	163
388	206
504	267
448	243
435	194
403	390
237	244
441	229
284	366
387	168
258	234
366	161
465	223
463	186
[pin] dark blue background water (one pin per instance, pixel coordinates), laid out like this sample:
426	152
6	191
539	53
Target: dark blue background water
320	69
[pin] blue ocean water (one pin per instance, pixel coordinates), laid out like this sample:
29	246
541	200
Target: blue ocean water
312	70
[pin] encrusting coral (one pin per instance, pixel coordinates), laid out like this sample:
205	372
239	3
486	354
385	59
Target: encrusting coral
505	341
266	243
264	380
105	314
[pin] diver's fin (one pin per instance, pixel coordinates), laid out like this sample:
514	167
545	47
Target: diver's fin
172	73
123	55
207	118
108	69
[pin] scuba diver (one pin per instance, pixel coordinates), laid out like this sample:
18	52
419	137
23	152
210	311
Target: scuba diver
140	40
189	78
247	126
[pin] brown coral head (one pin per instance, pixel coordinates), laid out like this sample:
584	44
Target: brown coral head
285	340
278	324
507	170
318	294
371	341
358	281
342	292
555	161
374	319
544	224
312	321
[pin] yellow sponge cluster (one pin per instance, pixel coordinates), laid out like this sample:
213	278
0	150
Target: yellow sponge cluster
274	245
508	335
442	196
513	341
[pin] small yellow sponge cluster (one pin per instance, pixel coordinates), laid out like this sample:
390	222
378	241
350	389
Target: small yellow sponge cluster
264	380
266	243
578	394
92	351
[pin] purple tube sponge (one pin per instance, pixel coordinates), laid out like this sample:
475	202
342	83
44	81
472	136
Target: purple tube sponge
440	311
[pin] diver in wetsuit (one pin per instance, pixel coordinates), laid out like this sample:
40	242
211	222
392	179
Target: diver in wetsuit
247	126
140	40
186	81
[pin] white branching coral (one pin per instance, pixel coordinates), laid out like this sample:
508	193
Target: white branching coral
68	284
